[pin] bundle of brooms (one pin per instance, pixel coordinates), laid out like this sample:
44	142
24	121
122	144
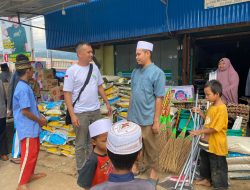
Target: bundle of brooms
168	147
176	150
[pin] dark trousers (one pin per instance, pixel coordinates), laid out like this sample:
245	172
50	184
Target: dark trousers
214	168
3	137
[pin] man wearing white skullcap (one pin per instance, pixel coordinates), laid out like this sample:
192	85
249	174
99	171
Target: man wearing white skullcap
97	167
124	145
147	82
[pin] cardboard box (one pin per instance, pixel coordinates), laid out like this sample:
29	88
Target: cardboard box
46	96
45	74
35	87
182	93
55	93
49	83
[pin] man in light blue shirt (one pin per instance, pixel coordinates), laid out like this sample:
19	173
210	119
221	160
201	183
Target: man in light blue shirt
28	122
148	83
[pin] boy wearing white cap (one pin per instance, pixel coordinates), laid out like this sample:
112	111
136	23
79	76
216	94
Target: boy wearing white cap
124	145
97	167
147	83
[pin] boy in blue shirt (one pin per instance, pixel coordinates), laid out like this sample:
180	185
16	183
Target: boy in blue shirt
28	121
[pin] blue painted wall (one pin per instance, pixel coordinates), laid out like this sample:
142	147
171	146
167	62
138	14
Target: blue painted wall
107	20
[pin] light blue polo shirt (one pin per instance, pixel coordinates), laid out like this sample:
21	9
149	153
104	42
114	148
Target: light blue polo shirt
24	97
147	84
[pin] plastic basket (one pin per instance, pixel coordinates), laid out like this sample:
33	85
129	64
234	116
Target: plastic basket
231	132
184	116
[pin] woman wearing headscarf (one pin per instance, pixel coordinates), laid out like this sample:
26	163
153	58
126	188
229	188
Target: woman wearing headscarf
229	79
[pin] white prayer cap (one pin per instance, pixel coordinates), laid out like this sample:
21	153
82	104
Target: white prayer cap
124	137
99	127
145	45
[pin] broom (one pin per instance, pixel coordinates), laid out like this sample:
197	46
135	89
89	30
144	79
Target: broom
163	136
167	151
178	148
168	117
164	120
185	151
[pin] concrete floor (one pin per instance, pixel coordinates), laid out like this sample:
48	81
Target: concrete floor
61	175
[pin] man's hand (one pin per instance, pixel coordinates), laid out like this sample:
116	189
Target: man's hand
156	127
9	113
109	109
42	121
75	121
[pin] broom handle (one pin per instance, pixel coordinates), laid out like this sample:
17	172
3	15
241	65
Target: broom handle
192	179
189	168
186	165
195	118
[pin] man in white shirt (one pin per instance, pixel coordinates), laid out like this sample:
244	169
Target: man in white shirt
87	108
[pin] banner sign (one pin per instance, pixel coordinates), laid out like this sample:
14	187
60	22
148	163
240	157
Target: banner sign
12	57
16	38
219	3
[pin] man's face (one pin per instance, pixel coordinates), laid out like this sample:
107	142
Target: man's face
14	19
85	53
142	56
30	73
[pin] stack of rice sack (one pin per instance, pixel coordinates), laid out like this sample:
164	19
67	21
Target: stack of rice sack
122	105
56	137
118	92
241	110
239	157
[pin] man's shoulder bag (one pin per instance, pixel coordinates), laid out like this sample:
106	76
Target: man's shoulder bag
67	118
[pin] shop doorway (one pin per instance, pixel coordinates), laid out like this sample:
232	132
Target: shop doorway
208	51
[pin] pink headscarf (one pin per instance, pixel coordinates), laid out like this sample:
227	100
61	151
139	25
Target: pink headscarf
229	79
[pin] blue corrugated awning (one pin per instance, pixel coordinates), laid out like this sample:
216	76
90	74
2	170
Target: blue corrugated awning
110	20
190	14
104	20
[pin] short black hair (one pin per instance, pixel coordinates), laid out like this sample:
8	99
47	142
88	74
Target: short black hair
215	86
4	67
21	57
123	162
21	72
80	44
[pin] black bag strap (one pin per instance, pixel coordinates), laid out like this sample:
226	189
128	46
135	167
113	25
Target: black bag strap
85	83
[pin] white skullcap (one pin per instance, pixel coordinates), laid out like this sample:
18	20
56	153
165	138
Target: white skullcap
99	127
124	138
145	45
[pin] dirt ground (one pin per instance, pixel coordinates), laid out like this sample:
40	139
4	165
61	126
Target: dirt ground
61	175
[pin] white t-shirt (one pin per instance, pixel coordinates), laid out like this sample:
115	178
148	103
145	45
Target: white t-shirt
73	82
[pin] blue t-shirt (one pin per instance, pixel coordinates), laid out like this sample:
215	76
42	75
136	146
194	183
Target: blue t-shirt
147	84
24	98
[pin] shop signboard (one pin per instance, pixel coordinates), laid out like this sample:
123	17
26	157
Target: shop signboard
16	38
219	3
181	93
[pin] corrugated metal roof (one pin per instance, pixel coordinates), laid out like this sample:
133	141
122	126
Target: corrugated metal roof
109	20
189	14
33	8
105	20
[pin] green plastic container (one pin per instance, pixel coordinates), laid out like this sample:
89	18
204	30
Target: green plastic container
184	116
231	132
